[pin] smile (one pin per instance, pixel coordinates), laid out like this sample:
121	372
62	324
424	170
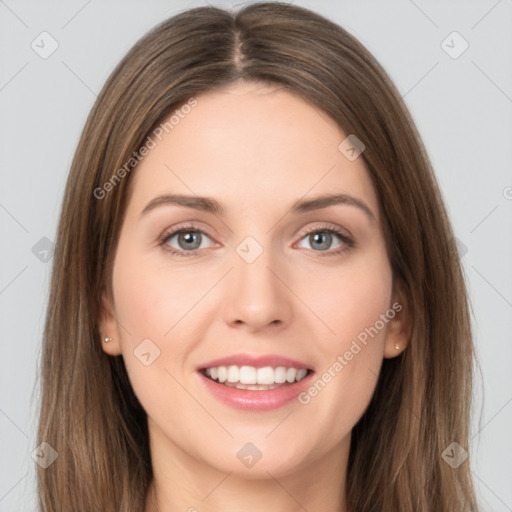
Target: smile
255	383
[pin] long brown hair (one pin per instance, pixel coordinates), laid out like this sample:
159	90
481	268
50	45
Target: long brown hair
89	412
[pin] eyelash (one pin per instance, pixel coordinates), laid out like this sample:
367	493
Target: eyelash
347	241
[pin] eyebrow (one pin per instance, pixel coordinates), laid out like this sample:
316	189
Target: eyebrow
210	205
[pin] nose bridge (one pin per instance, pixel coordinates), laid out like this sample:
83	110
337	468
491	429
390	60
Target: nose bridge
257	296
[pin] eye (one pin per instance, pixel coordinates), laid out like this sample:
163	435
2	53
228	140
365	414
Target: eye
321	240
190	240
187	241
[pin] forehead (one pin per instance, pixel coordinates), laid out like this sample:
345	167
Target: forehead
251	146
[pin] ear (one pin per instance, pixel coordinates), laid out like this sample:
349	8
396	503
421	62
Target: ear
399	329
109	328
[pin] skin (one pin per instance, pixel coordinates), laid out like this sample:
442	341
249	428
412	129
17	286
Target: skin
256	149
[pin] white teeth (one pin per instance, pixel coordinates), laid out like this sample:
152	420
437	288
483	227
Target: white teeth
222	373
291	373
265	375
252	387
300	374
233	374
249	377
280	374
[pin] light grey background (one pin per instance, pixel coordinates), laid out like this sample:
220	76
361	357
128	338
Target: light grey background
462	106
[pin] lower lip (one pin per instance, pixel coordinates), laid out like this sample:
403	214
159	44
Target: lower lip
248	400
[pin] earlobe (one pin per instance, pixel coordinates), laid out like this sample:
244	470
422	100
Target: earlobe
109	329
114	346
399	329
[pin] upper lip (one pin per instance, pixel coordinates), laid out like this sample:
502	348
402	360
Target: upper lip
255	361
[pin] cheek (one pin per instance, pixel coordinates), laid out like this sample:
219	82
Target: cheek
350	301
360	306
147	308
354	305
150	301
159	315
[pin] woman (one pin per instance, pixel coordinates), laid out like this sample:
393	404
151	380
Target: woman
256	300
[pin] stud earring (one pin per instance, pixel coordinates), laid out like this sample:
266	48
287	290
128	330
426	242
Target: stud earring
397	346
106	340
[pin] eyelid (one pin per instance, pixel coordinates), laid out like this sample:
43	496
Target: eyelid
328	227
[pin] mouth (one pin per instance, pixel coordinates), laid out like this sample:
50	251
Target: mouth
255	383
255	379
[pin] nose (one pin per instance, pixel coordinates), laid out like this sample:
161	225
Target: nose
257	294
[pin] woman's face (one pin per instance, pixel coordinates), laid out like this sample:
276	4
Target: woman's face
264	284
